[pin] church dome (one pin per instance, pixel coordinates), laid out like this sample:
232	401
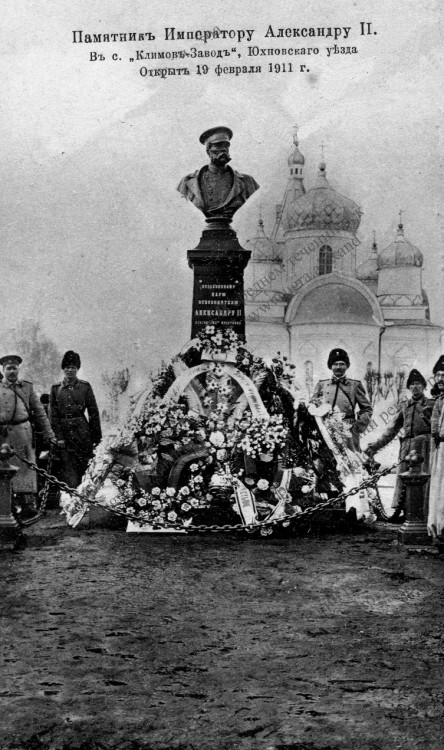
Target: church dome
321	208
261	246
400	253
368	271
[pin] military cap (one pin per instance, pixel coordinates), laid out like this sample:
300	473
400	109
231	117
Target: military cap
439	365
70	359
415	377
338	355
10	359
215	135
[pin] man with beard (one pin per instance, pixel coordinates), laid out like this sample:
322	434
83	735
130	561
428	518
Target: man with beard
345	394
216	189
76	435
20	413
435	521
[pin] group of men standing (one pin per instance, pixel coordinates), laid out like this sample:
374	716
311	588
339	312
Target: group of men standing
71	427
420	419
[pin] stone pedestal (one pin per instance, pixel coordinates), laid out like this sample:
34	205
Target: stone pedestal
218	263
413	532
10	532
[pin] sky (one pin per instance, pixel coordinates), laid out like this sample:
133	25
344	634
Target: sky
95	234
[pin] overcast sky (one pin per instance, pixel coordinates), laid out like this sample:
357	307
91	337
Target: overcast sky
94	233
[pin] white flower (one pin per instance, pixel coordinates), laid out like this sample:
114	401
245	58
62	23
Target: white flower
157	504
185	507
155	491
217	438
263	484
184	491
194	502
194	467
172	515
198	479
221	454
142	501
266	530
306	488
170	491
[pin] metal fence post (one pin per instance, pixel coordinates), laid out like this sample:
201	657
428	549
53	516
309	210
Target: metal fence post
10	532
413	532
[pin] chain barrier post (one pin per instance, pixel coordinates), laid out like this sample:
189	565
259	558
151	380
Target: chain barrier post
10	532
413	532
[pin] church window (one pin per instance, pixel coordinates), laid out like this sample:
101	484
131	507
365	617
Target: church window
325	260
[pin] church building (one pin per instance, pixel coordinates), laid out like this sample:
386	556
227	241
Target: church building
305	292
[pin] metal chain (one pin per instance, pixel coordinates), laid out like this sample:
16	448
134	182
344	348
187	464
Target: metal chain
213	528
42	509
45	493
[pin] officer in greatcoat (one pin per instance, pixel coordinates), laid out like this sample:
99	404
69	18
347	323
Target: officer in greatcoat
346	394
21	413
75	420
413	418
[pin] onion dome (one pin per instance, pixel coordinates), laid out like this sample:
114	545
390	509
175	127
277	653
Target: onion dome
261	246
400	253
296	157
321	208
368	271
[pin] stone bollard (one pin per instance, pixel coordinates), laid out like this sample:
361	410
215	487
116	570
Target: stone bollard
413	532
10	532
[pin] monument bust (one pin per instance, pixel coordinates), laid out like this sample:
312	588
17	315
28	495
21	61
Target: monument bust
216	189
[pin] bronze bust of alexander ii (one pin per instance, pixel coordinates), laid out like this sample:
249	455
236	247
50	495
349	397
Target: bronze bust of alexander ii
216	189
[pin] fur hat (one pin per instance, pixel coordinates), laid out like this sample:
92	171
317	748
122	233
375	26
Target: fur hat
71	359
338	355
439	365
415	377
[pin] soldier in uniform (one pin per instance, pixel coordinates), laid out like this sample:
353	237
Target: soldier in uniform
413	418
20	413
76	435
435	521
347	394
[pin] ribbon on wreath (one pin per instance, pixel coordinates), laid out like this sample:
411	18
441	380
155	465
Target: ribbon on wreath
246	504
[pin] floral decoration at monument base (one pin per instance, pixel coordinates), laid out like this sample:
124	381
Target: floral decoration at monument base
213	443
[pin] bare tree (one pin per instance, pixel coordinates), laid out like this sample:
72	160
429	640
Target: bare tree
41	357
372	379
115	384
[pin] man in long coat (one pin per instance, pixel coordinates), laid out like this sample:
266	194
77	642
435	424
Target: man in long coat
346	394
413	418
70	401
20	413
435	521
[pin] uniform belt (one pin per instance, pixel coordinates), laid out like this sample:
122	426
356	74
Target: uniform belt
17	421
71	419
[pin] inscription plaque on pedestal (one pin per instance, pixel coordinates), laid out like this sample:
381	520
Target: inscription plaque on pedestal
218	294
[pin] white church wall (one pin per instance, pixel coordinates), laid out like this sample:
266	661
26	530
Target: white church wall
400	280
